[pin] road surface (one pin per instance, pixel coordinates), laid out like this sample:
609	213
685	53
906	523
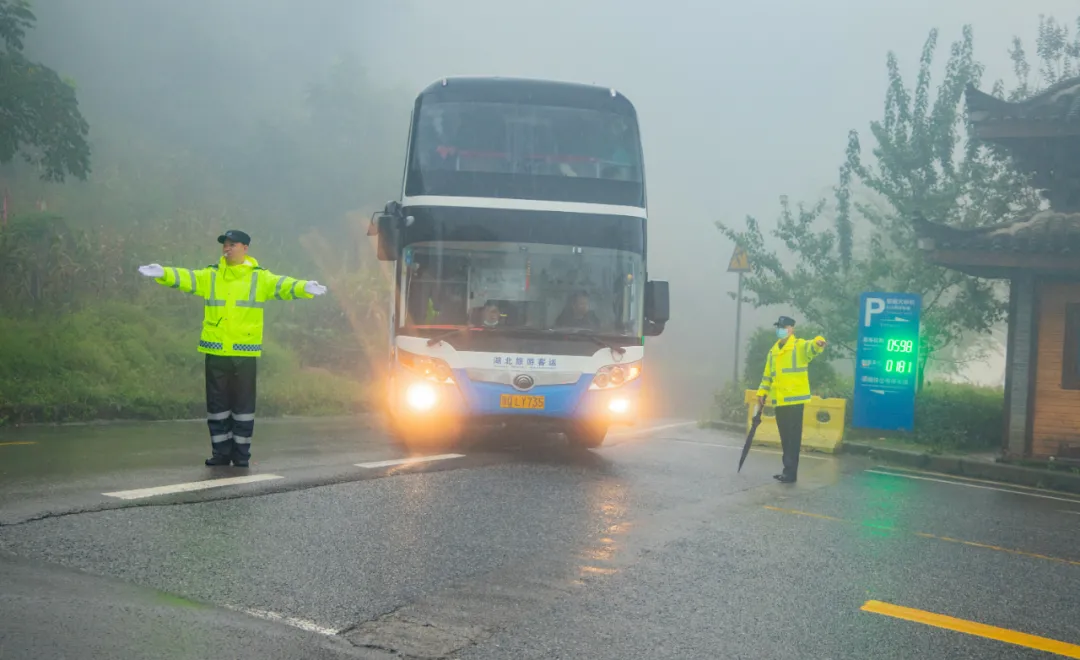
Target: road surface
115	542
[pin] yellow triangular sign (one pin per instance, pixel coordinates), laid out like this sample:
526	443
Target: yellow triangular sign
739	263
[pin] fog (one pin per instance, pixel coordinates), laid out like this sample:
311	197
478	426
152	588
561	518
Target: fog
738	103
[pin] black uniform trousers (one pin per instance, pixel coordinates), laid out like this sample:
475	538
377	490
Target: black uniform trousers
230	405
789	421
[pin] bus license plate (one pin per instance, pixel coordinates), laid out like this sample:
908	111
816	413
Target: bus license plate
521	401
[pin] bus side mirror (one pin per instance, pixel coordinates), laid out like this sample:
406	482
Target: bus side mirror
657	310
389	237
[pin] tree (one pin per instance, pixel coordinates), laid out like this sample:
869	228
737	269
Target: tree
39	114
922	165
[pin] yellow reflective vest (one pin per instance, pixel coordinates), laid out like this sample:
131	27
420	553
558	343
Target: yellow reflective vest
785	381
233	302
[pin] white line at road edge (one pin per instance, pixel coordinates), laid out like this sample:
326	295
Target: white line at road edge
191	486
764	451
408	461
651	429
960	483
302	624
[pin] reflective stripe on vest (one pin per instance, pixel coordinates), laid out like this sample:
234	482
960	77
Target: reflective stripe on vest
250	302
280	282
210	301
794	368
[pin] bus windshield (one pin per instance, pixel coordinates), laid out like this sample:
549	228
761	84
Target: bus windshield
530	286
535	140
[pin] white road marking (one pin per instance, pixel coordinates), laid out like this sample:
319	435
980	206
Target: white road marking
960	483
302	624
408	461
191	486
651	429
764	451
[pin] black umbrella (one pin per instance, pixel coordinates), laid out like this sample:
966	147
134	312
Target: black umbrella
750	436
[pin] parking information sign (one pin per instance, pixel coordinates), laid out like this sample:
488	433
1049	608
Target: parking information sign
886	361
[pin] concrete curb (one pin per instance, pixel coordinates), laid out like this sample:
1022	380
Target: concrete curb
966	467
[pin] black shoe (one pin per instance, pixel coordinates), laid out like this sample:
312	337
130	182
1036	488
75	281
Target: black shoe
217	461
240	462
784	479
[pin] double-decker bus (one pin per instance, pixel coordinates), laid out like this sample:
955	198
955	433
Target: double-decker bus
521	292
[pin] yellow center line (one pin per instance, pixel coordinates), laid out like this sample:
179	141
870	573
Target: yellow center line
9	444
924	535
972	628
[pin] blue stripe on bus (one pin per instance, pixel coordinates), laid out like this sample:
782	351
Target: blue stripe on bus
559	400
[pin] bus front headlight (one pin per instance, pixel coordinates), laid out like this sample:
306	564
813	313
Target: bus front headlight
421	397
615	375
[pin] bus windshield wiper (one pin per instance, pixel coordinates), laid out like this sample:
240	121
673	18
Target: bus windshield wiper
595	337
449	333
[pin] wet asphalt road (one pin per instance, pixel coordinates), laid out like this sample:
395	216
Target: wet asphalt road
651	547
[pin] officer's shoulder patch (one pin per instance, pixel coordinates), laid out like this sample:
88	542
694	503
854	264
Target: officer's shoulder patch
258	268
213	266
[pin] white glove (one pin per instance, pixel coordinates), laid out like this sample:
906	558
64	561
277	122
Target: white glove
314	288
153	270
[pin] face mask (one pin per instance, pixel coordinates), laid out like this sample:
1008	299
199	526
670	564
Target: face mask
781	333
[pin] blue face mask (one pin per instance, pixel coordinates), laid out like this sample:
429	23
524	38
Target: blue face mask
781	333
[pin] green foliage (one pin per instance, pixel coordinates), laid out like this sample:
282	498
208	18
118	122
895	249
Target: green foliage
41	117
729	404
302	178
919	167
956	417
115	361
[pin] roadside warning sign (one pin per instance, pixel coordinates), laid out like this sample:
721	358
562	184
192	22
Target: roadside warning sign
739	263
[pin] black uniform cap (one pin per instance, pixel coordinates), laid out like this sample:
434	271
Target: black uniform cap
236	236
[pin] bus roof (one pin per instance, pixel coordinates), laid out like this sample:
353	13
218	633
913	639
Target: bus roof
527	90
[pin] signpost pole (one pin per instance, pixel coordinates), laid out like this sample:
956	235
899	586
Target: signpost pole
739	263
738	327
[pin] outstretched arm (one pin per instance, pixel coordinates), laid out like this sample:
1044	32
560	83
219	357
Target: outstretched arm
196	282
283	287
814	347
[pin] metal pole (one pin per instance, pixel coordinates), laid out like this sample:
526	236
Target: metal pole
738	327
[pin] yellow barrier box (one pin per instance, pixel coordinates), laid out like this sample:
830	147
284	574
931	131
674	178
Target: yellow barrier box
823	424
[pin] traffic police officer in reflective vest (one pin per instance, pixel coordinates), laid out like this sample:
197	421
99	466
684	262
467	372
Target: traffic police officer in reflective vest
234	291
787	387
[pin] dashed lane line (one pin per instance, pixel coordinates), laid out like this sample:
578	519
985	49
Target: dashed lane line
302	624
141	493
409	461
886	528
972	628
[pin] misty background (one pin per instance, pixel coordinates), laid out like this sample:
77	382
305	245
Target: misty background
289	119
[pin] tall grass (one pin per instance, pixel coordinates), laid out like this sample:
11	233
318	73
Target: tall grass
116	361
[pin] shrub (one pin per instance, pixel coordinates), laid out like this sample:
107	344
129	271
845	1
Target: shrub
729	404
956	416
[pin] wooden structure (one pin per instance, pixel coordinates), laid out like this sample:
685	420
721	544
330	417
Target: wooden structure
1040	258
